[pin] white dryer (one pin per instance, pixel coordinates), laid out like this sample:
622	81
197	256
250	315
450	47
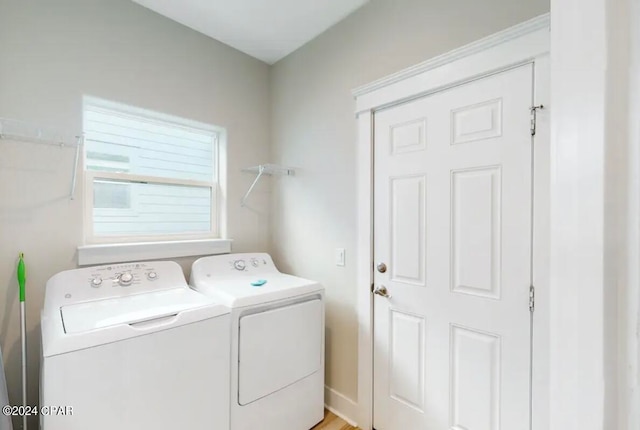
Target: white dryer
132	347
277	340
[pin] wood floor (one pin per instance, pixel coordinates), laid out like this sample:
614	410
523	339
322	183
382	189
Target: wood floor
332	422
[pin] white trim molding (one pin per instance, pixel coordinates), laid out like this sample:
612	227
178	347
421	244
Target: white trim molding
341	405
518	45
122	252
592	198
510	47
629	300
630	357
522	29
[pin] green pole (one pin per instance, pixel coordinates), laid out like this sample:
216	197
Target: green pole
22	277
22	280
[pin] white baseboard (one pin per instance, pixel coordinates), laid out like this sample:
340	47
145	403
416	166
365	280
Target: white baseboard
340	405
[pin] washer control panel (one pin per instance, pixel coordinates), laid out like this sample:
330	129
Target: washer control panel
123	275
113	280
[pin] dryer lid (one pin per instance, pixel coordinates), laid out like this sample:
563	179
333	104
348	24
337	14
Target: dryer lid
247	290
137	308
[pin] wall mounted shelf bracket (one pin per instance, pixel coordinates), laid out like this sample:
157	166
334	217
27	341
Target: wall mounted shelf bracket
262	170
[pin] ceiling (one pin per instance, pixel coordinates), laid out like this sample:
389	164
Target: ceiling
265	29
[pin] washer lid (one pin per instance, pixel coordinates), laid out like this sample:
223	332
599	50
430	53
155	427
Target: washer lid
137	308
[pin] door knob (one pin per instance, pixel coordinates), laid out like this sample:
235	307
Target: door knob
382	291
381	267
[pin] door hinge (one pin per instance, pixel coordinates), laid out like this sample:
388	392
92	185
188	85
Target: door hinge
371	290
532	298
533	110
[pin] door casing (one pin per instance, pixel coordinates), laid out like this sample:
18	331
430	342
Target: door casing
528	42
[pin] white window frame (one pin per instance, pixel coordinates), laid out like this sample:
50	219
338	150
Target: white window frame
217	205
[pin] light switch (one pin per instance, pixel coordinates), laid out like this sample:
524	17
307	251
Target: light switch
340	256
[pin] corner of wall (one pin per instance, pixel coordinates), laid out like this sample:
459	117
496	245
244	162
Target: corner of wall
341	405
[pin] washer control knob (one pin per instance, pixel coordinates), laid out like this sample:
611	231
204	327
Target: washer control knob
96	282
125	279
152	276
254	262
239	264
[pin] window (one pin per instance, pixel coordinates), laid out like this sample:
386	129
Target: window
149	176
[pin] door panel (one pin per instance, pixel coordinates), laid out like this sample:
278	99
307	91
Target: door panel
475	379
407	359
452	221
407	229
476	231
480	121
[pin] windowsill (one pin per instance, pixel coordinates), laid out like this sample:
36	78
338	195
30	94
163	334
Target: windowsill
138	251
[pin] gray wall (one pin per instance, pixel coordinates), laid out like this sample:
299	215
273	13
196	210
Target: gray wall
54	52
313	129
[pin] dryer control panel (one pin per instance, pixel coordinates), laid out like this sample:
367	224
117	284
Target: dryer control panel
112	280
249	263
224	266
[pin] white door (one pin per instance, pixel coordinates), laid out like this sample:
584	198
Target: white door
453	225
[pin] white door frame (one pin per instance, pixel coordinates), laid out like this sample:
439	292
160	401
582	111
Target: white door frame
630	359
528	42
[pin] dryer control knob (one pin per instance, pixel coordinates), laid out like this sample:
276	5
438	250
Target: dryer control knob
152	276
239	264
125	279
96	282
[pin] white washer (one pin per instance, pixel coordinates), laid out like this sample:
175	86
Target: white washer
130	347
277	340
